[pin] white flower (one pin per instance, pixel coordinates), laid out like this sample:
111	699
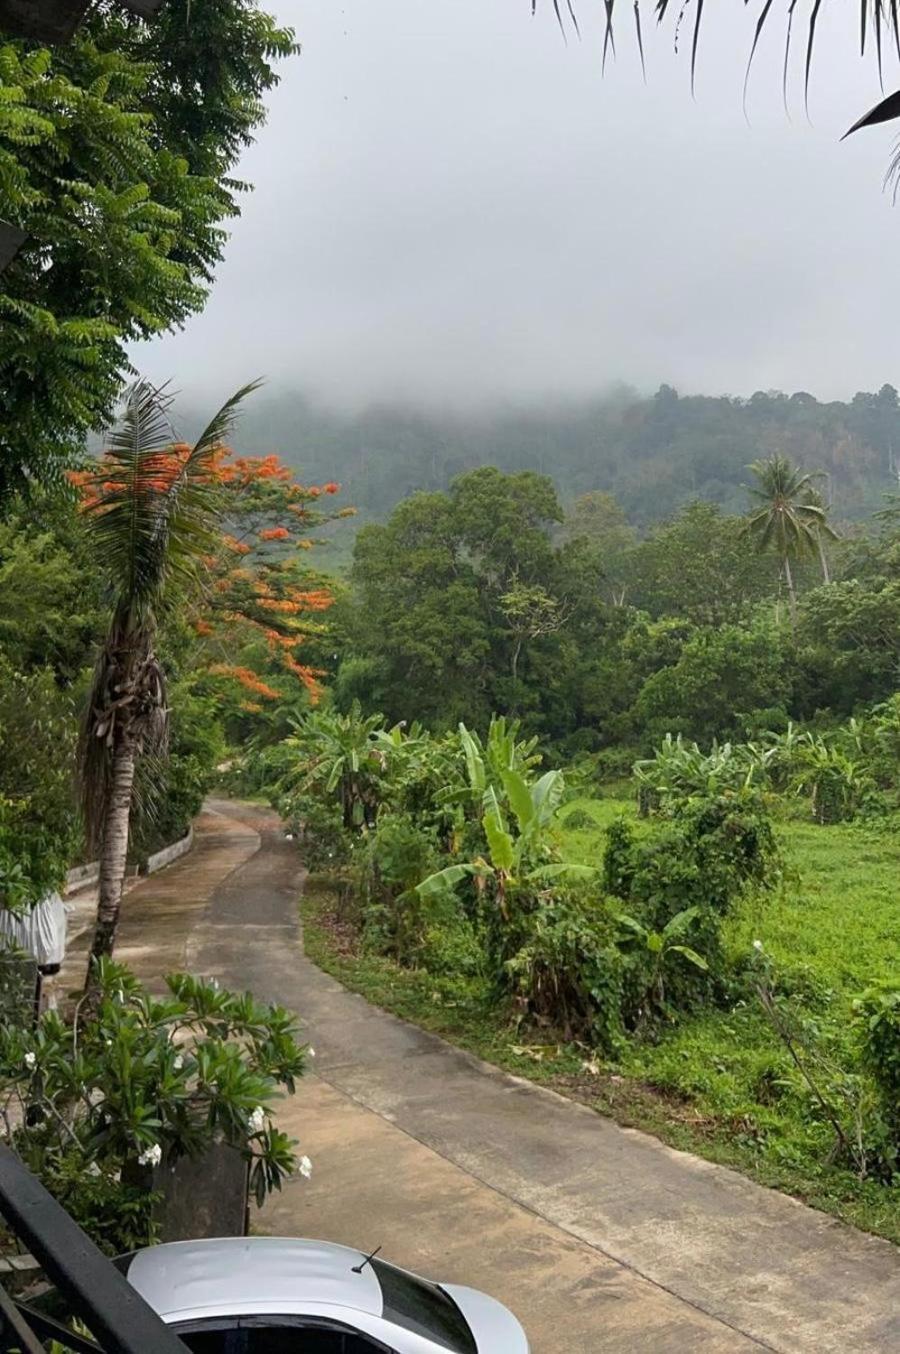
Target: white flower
30	1060
310	1053
757	944
304	1166
178	1061
289	836
257	1120
151	1156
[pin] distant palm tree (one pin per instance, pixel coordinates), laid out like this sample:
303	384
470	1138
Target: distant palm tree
152	508
823	529
789	518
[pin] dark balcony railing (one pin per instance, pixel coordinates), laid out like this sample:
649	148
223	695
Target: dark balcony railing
94	1290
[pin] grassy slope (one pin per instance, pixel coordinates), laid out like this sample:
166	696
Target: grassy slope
719	1084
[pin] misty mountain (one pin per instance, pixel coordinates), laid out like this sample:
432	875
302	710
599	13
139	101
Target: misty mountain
654	453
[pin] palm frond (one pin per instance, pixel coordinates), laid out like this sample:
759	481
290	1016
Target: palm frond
879	17
151	518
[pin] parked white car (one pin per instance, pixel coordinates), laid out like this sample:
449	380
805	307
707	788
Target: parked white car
280	1295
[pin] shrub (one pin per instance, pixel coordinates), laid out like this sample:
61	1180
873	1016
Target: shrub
734	846
878	1011
317	827
695	866
39	827
568	970
395	857
145	1080
579	820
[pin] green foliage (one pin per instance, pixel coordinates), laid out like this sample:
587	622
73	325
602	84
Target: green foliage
392	860
121	178
428	613
146	1080
788	516
679	770
878	1016
170	791
52	600
336	755
837	785
654	454
568	972
39	828
718	676
662	950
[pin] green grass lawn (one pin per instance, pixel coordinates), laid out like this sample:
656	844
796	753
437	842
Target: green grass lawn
719	1083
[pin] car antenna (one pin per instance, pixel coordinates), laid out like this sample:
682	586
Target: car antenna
358	1269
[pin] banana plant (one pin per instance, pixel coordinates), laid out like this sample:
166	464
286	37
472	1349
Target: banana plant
661	945
339	754
517	862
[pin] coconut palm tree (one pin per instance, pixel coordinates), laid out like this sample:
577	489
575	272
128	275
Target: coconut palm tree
152	506
823	530
788	517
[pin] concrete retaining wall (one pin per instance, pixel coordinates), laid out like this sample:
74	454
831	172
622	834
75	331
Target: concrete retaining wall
160	859
85	876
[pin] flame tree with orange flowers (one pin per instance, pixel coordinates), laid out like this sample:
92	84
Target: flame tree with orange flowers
152	510
175	526
262	604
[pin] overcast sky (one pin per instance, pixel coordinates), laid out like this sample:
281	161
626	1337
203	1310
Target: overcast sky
452	205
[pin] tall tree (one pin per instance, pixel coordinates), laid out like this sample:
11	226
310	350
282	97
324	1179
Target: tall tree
151	520
121	178
788	518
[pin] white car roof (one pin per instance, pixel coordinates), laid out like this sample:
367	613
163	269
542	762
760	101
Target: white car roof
189	1279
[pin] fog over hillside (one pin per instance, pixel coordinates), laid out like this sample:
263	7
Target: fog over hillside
453	206
654	452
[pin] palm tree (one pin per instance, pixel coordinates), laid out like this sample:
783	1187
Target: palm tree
152	508
789	517
822	529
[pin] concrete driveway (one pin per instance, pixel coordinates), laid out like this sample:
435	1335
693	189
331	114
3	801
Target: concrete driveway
599	1238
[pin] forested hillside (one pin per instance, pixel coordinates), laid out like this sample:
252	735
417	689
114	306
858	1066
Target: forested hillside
654	454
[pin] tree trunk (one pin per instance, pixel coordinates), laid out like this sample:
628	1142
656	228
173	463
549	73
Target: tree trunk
113	856
515	658
792	592
823	558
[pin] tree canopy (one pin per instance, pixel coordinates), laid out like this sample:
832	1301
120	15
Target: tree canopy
115	158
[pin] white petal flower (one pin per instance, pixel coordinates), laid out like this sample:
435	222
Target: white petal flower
289	836
757	944
257	1120
310	1053
151	1156
304	1166
178	1061
30	1060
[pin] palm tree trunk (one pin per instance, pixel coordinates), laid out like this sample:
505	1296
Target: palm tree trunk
113	856
792	591
823	558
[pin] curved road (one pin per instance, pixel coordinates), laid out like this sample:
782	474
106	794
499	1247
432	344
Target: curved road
600	1238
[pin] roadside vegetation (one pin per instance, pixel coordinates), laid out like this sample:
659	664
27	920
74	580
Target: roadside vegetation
665	880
